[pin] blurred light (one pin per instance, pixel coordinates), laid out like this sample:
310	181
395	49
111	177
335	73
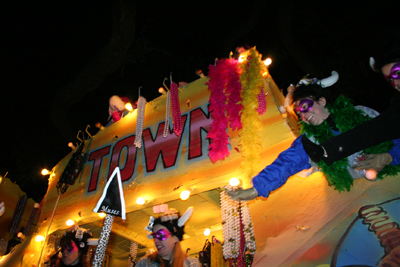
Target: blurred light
242	58
70	222
21	235
128	106
370	174
267	62
140	201
36	205
99	125
71	145
234	181
185	194
265	74
161	90
200	73
39	238
45	172
207	232
102	214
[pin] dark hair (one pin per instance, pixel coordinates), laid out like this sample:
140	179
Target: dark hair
389	50
82	245
313	91
172	226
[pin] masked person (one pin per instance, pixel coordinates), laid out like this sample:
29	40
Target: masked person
384	127
320	120
74	247
167	232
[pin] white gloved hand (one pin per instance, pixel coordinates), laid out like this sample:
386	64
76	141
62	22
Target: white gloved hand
243	194
115	104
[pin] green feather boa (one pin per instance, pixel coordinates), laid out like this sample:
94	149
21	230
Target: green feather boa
345	117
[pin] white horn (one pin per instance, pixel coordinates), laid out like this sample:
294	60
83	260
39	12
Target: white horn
331	80
92	241
372	64
182	220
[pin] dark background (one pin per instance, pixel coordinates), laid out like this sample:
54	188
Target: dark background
62	60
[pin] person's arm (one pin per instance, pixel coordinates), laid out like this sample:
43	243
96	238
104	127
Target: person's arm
288	163
383	128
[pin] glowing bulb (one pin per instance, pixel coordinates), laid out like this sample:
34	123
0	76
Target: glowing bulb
128	106
207	232
102	214
241	58
265	74
161	90
99	125
370	174
234	181
71	145
70	222
39	238
45	172
267	62
36	205
140	201
185	194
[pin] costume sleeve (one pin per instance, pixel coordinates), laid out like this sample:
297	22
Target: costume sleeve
383	128
288	163
395	152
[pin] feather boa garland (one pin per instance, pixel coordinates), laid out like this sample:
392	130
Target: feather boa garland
252	83
346	117
233	90
224	82
218	148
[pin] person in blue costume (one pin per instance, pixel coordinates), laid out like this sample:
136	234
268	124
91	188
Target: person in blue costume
321	119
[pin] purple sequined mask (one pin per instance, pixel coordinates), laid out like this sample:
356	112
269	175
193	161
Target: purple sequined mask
394	74
305	105
72	248
161	234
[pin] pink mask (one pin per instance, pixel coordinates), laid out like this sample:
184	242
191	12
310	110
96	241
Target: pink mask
394	73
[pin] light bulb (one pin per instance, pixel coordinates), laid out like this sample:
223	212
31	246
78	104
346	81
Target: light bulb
207	232
140	201
39	238
234	181
71	145
102	214
70	222
128	106
45	172
185	194
267	62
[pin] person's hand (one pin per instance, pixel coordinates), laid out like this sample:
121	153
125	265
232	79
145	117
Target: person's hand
244	194
375	162
314	151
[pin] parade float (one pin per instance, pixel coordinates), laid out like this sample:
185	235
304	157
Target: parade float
193	140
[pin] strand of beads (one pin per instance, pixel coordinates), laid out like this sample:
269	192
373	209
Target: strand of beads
230	224
132	253
176	109
248	228
139	121
167	111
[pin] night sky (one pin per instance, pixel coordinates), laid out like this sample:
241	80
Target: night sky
62	60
